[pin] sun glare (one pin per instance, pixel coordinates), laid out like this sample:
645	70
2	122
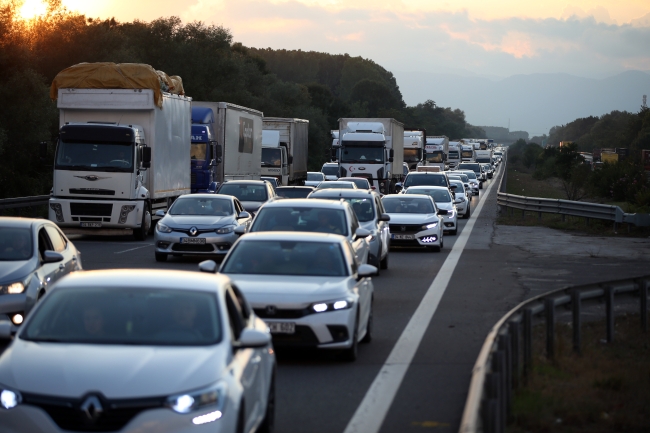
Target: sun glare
32	9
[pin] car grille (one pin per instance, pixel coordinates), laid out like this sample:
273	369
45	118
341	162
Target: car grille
405	228
91	209
115	414
303	336
188	248
281	313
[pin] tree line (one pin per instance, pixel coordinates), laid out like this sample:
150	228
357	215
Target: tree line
316	86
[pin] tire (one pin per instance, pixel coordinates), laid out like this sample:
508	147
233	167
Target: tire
454	232
141	233
384	262
161	257
350	354
468	213
268	423
368	337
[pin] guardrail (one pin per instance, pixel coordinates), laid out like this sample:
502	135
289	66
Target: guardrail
506	356
20	202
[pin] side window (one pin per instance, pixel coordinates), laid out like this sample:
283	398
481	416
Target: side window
238	207
57	241
380	206
43	242
235	317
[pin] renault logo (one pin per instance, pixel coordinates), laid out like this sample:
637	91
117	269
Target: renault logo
271	310
92	408
193	231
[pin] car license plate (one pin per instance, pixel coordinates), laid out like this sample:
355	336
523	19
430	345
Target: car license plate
282	327
403	237
93	225
194	241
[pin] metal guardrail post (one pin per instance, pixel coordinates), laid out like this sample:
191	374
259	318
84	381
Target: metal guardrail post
491	422
504	346
498	365
549	312
609	306
643	294
575	302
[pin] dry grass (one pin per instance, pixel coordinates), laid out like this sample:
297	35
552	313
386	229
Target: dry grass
606	389
521	182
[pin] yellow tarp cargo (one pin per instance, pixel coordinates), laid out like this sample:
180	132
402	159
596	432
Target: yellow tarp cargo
109	75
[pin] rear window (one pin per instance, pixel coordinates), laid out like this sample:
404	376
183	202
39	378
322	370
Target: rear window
315	176
425	179
405	204
245	192
300	219
293	192
331	170
438	195
363	207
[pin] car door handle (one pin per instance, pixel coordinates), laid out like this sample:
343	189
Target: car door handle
61	267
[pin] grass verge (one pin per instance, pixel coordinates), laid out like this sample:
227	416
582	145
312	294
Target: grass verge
606	389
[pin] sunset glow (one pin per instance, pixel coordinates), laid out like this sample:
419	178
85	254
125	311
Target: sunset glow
32	9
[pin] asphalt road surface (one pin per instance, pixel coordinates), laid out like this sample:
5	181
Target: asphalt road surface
432	313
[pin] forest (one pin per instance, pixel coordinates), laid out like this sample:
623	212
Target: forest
319	87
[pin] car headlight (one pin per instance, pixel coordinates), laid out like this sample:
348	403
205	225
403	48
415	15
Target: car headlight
9	399
341	304
195	400
162	228
450	214
15	288
430	226
225	230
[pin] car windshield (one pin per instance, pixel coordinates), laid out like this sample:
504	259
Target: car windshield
201	206
474	167
15	244
404	204
438	195
300	219
329	185
312	259
134	316
245	192
95	156
363	207
330	170
425	179
315	176
294	192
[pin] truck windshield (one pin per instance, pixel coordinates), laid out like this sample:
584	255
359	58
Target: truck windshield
271	157
453	154
198	151
436	156
466	154
362	155
94	156
411	155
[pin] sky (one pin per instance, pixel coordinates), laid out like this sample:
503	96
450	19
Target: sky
489	39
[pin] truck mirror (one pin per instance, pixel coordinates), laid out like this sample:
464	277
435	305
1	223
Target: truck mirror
391	153
217	151
391	158
146	157
290	159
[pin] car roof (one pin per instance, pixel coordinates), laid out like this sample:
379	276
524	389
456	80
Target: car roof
343	192
405	196
425	173
206	195
301	202
330	163
296	186
416	187
160	279
244	182
18	222
293	236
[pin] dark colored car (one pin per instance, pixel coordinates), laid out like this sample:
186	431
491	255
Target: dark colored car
251	193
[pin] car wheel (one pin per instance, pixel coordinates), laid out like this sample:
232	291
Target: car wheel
161	257
480	185
368	337
467	214
268	423
384	262
350	354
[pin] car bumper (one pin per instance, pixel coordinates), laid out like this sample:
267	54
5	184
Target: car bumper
462	207
13	303
425	238
27	418
170	243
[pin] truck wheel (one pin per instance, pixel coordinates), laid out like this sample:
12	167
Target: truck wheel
141	233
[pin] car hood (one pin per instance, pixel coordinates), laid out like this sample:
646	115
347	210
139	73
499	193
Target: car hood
286	291
72	370
180	221
414	218
16	270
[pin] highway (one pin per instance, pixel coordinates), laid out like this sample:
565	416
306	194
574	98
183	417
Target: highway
424	389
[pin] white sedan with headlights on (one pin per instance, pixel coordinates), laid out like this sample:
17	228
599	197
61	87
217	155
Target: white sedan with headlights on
414	221
199	224
444	201
308	287
146	351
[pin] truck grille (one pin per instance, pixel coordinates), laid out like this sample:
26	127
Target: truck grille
90	191
91	209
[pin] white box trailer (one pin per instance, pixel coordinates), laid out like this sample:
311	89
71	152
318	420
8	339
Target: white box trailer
102	184
292	149
238	132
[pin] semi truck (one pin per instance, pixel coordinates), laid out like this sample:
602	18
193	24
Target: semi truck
285	143
437	149
121	154
335	145
483	156
235	136
467	152
414	147
372	148
453	158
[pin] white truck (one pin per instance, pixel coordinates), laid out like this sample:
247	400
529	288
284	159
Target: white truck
285	143
437	149
372	148
414	147
237	131
453	158
467	152
335	145
119	158
483	156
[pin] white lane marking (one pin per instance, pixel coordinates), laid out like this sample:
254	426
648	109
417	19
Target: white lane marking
375	405
133	249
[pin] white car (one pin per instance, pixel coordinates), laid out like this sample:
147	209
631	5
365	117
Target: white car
314	178
443	199
308	287
139	351
330	170
462	199
414	221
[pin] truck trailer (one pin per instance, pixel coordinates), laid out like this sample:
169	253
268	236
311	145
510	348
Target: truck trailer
285	143
437	149
414	147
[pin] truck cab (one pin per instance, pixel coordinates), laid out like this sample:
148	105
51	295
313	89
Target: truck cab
205	154
275	162
414	148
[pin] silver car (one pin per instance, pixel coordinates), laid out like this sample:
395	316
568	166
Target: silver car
415	221
34	254
308	287
336	184
139	351
369	210
444	201
462	198
314	178
199	224
251	193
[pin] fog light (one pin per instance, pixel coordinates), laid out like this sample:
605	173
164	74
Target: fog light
9	399
17	319
124	213
58	211
429	239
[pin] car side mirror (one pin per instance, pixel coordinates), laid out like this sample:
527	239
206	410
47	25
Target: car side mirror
208	266
52	257
366	271
7	330
240	230
362	233
146	157
252	339
243	215
160	213
391	159
442	212
384	217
